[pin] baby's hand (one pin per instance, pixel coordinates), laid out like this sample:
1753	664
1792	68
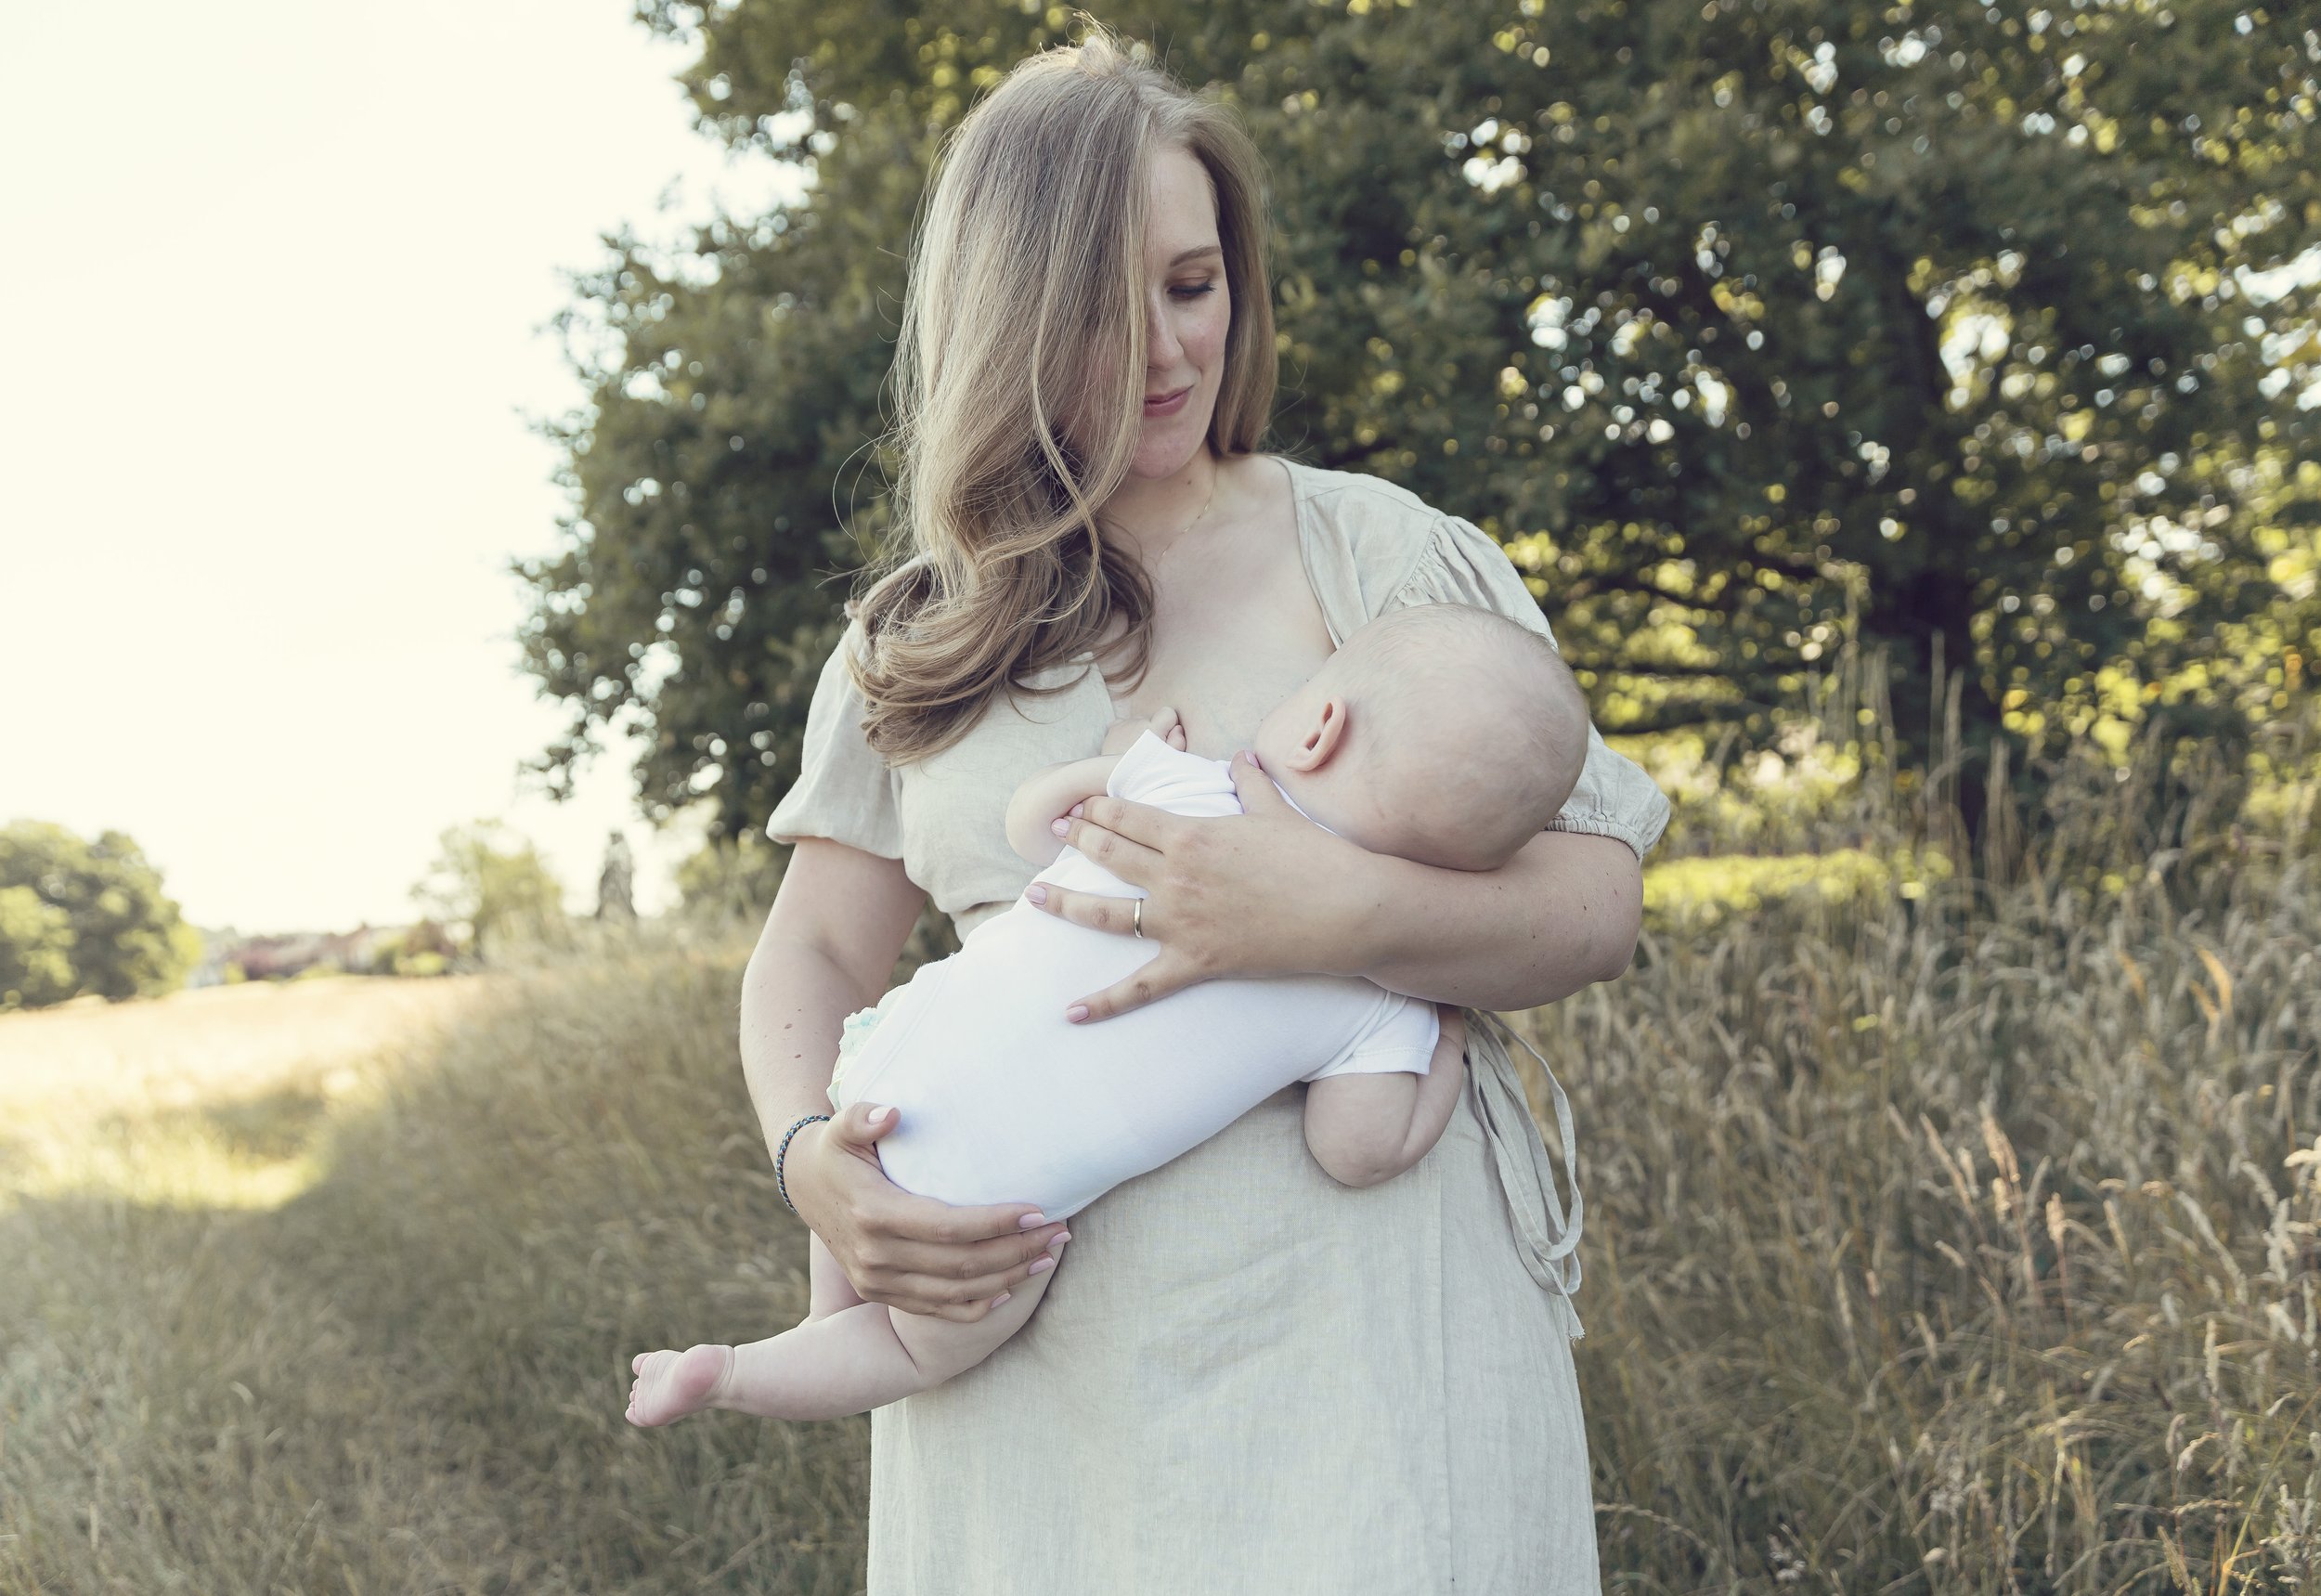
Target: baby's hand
1163	724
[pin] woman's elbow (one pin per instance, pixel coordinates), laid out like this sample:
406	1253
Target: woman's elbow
1618	954
1623	923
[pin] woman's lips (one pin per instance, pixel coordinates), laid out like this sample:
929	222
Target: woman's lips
1169	406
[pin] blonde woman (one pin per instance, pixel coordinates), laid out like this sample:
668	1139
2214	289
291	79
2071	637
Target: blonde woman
1249	1377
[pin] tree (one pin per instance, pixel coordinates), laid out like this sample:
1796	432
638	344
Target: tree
733	876
1746	326
35	950
494	882
84	917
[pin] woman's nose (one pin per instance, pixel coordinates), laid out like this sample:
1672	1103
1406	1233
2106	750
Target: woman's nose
1161	347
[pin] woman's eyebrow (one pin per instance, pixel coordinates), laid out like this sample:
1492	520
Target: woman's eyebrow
1189	255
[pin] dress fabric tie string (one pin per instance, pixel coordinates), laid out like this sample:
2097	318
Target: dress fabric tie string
1546	1240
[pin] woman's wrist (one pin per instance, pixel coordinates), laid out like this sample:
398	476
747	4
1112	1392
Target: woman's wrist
782	1154
1354	911
802	1173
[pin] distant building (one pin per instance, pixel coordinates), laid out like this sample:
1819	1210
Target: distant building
367	950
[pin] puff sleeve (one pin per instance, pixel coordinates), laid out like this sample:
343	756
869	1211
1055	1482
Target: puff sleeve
844	790
1460	563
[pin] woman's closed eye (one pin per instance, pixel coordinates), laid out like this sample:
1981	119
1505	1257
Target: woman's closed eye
1193	291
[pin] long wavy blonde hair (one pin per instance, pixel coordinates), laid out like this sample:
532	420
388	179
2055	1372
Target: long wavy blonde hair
1019	385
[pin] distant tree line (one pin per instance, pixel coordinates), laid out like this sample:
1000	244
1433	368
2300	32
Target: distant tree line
82	919
1753	328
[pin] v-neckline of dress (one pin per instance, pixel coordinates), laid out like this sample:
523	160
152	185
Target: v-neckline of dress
1304	534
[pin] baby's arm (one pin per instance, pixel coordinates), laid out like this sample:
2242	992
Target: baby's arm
1047	793
1363	1129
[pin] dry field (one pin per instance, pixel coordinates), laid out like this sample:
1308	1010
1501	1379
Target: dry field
1932	1246
203	1098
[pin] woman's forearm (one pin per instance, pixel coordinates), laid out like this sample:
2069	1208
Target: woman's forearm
1562	914
794	998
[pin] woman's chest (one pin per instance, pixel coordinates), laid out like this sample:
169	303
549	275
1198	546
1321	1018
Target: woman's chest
1235	630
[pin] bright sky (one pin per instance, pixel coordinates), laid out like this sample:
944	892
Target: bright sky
278	275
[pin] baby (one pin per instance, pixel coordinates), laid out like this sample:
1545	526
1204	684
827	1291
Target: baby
1441	732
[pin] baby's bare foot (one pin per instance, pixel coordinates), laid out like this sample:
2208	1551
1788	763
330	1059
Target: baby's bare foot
671	1385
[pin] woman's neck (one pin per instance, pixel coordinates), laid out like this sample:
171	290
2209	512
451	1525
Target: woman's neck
1152	512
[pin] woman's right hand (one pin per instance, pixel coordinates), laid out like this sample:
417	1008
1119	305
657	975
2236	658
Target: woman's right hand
913	1253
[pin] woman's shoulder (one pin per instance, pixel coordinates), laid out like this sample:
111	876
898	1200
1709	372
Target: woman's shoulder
1364	502
1380	537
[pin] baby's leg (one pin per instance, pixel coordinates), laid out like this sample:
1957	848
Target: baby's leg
827	1289
858	1357
1363	1129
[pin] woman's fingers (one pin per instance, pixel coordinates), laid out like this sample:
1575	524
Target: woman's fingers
1130	861
1139	822
1256	789
1010	1221
1152	980
973	1263
1094	910
940	1285
919	1282
859	1124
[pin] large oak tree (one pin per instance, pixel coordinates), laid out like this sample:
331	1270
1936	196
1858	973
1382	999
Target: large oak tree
1747	326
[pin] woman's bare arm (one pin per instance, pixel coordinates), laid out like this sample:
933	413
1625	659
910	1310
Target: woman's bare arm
829	945
1562	914
1268	892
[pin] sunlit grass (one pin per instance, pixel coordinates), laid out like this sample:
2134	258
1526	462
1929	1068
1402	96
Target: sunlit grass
215	1099
1967	1241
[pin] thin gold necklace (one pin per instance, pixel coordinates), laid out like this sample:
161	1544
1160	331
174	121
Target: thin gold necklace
1215	473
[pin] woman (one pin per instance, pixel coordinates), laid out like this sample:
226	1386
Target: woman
1248	1378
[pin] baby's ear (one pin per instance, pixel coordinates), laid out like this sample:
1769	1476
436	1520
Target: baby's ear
1321	737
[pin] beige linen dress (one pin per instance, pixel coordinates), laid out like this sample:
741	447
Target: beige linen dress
1246	1378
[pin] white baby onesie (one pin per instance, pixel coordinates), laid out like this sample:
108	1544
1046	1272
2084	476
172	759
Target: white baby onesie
1003	1101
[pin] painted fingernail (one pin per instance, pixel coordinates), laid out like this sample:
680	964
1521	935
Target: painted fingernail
1076	1013
1061	828
1036	894
1058	1240
1043	1264
1000	1298
1032	1222
878	1116
1080	806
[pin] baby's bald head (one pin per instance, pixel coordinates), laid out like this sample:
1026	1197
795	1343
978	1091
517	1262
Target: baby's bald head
1464	734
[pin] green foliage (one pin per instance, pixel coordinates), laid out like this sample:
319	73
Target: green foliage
494	883
35	950
733	876
1745	325
84	917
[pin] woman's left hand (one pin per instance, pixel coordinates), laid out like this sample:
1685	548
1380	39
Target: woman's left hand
1252	894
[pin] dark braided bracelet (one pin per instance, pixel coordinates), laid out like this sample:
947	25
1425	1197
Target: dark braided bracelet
782	1186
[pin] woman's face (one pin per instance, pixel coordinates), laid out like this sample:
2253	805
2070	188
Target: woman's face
1188	309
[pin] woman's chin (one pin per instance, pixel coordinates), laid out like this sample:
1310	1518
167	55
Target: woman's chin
1169	445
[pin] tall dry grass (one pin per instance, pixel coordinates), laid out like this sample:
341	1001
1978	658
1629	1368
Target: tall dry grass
1962	1242
409	1376
1967	1242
